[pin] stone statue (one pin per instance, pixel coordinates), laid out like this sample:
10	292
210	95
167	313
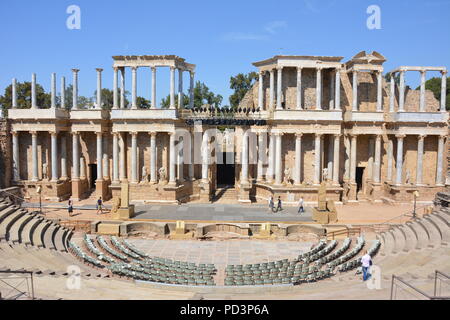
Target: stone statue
407	177
144	174
287	176
325	174
44	171
162	174
116	205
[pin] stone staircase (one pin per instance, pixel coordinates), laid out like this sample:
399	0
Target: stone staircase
225	195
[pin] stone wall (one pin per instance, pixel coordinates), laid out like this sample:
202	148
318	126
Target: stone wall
5	155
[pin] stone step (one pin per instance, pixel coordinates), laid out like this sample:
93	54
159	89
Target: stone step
433	232
19	225
422	236
400	240
411	239
444	215
47	236
7	211
443	227
6	224
37	239
58	239
27	233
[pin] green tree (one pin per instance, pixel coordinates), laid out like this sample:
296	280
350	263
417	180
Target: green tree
241	84
387	77
202	95
23	89
434	85
143	103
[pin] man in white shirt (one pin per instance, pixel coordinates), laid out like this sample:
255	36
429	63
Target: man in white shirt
366	262
300	206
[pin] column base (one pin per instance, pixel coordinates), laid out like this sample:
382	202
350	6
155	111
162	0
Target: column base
77	189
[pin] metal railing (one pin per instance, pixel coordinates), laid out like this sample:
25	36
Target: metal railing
12	289
439	278
412	291
347	232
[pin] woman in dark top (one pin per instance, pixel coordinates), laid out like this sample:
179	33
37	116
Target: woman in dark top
70	208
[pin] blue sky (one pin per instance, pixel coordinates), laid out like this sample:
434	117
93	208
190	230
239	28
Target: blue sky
222	38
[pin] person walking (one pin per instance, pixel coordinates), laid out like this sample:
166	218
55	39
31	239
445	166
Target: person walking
100	205
366	262
271	204
300	205
70	207
279	208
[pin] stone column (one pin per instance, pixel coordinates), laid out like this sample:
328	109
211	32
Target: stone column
317	157
172	176
419	167
34	156
336	155
271	166
422	106
75	156
54	159
370	161
244	159
319	89
261	155
191	164
16	156
105	159
298	159
122	167
82	168
392	97
172	87
63	93
115	177
299	88
337	90
99	156
379	91
278	158
353	155
347	159
332	83
116	88
401	103
400	137
14	93
279	87
154	88
260	90
180	88
191	89
377	162
205	157
53	91
271	89
355	91
134	88
122	88
443	89
134	169
33	91
153	178
390	159
180	160
75	89
330	157
440	157
63	158
99	88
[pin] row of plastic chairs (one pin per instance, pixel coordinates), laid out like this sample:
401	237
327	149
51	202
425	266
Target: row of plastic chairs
83	256
110	250
349	265
337	253
314	250
321	253
360	242
134	249
115	241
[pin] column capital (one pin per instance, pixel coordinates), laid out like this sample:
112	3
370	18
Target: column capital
192	73
444	72
442	136
34	133
99	133
261	72
277	133
115	68
172	68
53	133
338	135
134	68
153	68
152	133
99	69
279	68
299	69
421	136
115	133
378	136
319	68
319	134
134	133
298	135
400	136
75	70
423	72
75	133
15	133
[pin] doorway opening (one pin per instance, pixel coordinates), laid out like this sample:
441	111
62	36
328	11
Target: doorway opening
92	175
359	178
225	171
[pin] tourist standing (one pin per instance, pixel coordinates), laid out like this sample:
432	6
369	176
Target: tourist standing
99	205
271	204
70	207
366	262
300	205
279	208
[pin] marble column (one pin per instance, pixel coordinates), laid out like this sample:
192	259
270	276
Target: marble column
271	165
332	83
99	156
63	157
16	156
244	158
115	177
63	93
419	167
205	157
34	156
443	90
153	88
379	91
298	159
172	87
422	106
401	103
116	88
134	88
260	90
317	157
336	155
319	89
122	160
75	89
191	163
122	88
180	88
14	93
105	160
370	161
299	88
355	91
279	87
261	156
82	168
33	91
134	169
75	156
337	90
347	158
392	96
330	157
54	158
390	159
353	158
180	160
377	162
191	89
399	165
172	159
53	91
440	162
271	89
99	88
153	177
278	158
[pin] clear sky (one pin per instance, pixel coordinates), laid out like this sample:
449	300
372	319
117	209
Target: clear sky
222	38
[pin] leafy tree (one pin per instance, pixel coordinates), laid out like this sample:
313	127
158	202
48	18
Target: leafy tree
241	84
434	85
43	99
387	77
143	103
202	95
